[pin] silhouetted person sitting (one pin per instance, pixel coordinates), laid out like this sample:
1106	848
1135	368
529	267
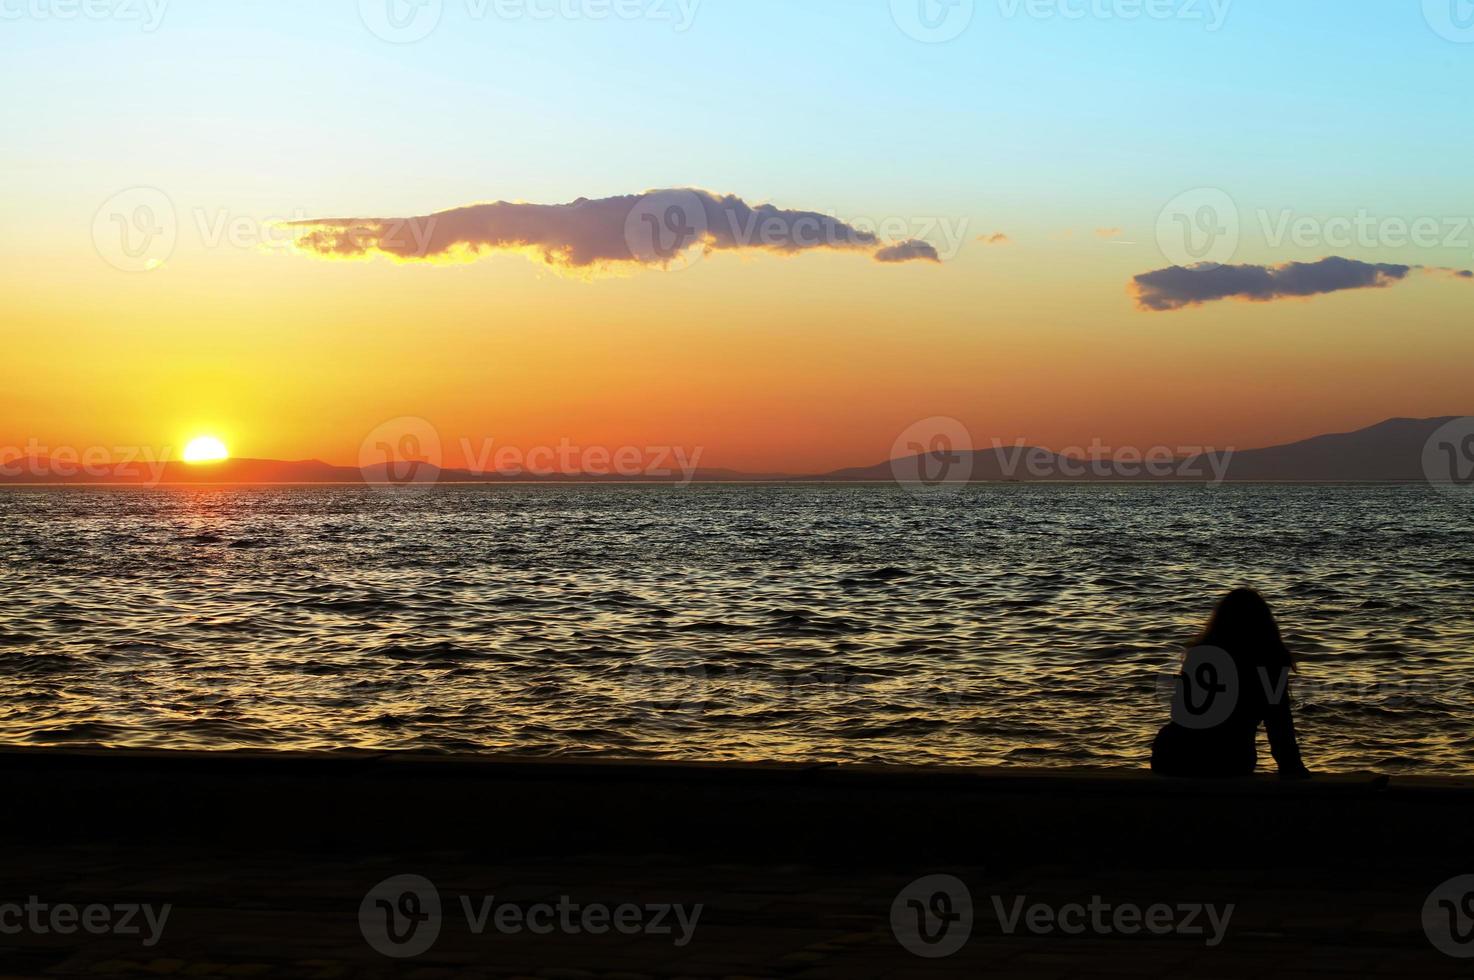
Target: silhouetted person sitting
1236	676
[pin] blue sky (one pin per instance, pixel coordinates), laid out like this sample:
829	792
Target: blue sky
1046	120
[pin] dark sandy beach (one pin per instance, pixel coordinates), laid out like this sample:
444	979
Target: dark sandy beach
266	862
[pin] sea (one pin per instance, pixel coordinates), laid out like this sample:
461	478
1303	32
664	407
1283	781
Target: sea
999	624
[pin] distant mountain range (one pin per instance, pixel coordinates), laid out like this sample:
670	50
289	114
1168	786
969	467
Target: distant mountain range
1392	451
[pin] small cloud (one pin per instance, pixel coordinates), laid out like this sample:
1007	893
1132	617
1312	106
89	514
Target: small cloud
1107	233
1179	287
908	251
996	238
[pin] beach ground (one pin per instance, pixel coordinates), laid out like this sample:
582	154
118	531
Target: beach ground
272	867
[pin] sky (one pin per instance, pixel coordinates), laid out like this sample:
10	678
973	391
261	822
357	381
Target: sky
154	149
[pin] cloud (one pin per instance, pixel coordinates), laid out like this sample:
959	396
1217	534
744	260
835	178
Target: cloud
1107	233
1179	287
652	229
997	238
908	251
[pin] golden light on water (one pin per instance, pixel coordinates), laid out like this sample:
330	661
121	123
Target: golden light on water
206	449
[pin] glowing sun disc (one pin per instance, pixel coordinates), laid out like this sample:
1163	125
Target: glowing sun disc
206	449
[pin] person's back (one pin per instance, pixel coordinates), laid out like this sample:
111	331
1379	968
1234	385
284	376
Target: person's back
1235	678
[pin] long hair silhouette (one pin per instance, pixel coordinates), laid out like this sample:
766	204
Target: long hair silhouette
1243	624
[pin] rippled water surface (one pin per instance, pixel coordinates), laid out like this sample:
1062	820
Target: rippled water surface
1012	624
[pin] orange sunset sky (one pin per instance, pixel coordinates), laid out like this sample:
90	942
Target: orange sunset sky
766	362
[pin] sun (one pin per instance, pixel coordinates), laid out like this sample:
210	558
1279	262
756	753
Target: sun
205	449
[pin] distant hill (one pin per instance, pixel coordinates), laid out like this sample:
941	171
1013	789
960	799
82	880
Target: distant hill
1390	451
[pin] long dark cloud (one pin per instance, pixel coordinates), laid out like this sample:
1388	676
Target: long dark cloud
1179	287
651	229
